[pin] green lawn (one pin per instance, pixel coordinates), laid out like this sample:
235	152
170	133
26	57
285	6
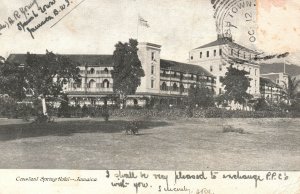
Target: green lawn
195	144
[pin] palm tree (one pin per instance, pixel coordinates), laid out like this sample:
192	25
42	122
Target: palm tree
291	90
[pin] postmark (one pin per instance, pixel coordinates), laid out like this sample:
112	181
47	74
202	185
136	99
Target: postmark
236	23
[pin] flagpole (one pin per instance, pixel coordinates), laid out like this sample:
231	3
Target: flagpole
284	65
137	28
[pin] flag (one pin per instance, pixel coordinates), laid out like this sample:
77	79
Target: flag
143	22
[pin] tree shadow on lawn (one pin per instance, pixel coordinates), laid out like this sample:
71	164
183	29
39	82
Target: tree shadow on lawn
68	128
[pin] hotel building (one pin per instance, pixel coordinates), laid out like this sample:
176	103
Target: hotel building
165	81
216	56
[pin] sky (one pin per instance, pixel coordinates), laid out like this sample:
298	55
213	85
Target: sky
95	26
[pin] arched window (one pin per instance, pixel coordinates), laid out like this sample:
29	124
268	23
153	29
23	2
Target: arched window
106	70
135	101
77	83
92	71
105	83
92	83
181	88
175	87
164	86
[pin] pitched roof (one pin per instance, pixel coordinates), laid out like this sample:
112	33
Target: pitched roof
183	67
107	61
223	41
268	82
89	60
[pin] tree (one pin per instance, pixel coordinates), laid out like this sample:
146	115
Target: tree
64	109
291	92
127	70
236	84
41	75
291	89
200	95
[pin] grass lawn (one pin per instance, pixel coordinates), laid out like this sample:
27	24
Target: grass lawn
195	144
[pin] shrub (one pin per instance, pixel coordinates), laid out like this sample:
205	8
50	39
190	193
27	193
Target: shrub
229	128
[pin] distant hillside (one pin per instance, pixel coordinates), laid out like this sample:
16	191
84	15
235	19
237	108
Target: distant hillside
293	70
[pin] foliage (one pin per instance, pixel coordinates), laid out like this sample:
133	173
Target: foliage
201	96
236	85
64	109
12	80
127	70
40	76
291	92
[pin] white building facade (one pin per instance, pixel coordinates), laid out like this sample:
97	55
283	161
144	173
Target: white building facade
216	56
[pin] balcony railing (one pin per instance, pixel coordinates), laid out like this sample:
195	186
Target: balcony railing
89	89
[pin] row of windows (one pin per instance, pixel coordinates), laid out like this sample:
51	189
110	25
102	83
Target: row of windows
182	76
208	54
93	84
232	52
220	68
92	71
175	87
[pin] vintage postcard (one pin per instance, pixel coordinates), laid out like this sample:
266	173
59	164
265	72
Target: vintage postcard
150	96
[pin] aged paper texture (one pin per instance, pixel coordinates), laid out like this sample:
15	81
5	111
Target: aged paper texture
150	96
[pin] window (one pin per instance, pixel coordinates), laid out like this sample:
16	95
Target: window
244	55
192	76
106	70
255	71
92	84
152	56
152	69
200	54
181	88
207	53
220	52
152	83
231	51
175	87
164	73
92	71
211	68
215	53
238	54
181	76
164	86
175	74
249	70
220	90
105	83
191	57
220	67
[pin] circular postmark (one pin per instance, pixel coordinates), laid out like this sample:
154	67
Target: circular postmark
236	23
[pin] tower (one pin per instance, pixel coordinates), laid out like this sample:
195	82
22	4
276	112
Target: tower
149	55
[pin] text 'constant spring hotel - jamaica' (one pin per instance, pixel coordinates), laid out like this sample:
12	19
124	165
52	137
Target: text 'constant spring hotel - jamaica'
166	81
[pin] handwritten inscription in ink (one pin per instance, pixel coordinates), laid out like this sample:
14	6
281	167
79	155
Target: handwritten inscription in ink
32	17
181	181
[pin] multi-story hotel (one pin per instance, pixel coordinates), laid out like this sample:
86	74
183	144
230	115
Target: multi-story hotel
216	56
165	81
270	91
282	79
